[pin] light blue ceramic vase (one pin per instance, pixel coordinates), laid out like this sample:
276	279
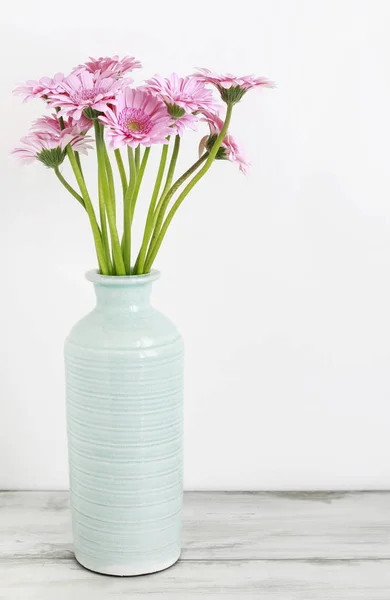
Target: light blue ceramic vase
124	382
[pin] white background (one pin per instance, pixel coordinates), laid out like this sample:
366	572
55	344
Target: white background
279	281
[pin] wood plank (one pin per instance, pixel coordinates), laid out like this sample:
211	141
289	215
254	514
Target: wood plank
223	525
287	526
191	580
35	524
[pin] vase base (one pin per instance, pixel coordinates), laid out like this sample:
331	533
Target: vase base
123	570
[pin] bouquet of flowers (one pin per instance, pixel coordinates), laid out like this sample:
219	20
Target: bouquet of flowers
99	96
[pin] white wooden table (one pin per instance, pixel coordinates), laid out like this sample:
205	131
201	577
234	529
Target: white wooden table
286	546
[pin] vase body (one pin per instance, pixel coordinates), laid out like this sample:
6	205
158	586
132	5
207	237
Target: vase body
124	398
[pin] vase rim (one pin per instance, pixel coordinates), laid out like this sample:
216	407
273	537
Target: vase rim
123	280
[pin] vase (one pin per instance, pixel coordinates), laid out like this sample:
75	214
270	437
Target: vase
124	398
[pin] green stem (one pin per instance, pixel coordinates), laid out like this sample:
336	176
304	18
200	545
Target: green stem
103	224
108	202
168	181
178	183
137	157
172	165
131	159
91	213
139	263
188	188
126	239
77	156
69	187
138	182
110	176
121	170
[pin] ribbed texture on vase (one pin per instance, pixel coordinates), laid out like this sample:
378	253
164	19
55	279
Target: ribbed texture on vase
125	427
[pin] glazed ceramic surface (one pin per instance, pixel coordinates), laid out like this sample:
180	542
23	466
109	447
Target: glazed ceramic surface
124	386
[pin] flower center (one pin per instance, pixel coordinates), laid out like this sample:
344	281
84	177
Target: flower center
134	120
86	96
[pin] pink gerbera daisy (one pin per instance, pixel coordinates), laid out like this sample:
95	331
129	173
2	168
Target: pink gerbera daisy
186	92
47	124
229	150
231	87
138	117
49	148
52	125
44	88
183	97
84	92
109	66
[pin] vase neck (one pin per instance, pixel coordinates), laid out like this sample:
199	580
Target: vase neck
122	299
122	294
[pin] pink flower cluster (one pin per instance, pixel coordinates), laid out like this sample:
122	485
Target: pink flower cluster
147	115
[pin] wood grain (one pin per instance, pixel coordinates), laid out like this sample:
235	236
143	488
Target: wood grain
190	580
285	546
223	525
